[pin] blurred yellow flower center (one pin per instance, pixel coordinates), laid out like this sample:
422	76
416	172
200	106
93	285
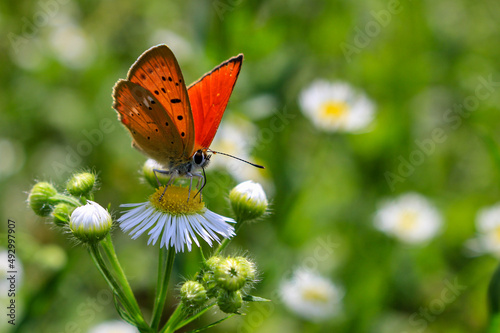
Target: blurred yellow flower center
334	109
496	233
175	201
314	295
407	221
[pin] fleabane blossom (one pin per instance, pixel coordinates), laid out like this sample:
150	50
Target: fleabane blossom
488	227
311	295
174	220
91	222
336	107
248	200
410	218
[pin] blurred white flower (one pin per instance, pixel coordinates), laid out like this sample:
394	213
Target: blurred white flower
336	107
113	326
72	46
181	46
411	218
488	227
235	137
13	157
312	296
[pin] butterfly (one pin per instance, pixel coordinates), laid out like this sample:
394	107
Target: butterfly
168	122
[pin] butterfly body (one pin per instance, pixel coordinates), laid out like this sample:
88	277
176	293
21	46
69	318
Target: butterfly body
168	122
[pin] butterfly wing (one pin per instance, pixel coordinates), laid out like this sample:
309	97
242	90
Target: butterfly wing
209	97
158	72
150	126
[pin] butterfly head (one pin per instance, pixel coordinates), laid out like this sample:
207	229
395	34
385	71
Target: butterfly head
201	158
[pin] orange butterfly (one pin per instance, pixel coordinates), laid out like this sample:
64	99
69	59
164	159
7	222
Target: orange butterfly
169	123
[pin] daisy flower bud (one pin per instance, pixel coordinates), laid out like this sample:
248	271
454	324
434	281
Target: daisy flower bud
81	184
247	268
213	262
149	175
248	201
61	214
90	223
230	301
232	274
41	198
193	294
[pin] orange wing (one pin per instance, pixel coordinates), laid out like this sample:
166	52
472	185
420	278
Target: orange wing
148	123
157	70
209	96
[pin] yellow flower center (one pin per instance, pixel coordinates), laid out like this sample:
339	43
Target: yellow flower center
314	295
496	233
175	201
334	110
407	221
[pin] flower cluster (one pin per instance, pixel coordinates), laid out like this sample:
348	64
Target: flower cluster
87	220
225	279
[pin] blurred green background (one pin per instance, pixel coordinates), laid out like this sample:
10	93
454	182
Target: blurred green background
59	60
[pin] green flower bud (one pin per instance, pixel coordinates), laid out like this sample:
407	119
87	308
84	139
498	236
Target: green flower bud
208	281
230	301
247	268
193	294
248	201
61	214
149	175
231	274
81	184
41	198
213	262
90	223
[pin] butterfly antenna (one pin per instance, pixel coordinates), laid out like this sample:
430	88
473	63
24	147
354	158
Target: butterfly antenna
239	159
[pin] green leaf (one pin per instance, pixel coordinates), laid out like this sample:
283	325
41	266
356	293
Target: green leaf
250	298
123	314
212	324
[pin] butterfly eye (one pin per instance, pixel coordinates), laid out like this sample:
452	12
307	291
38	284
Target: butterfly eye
198	158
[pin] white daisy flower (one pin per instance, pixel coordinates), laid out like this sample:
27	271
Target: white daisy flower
174	218
311	296
488	226
411	218
336	107
113	326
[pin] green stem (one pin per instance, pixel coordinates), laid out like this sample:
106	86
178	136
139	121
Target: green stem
174	320
107	244
101	266
165	264
66	199
195	316
226	241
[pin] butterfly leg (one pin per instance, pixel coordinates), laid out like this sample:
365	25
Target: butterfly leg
202	177
170	181
190	185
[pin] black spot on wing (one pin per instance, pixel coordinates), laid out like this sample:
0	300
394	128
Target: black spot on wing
175	100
